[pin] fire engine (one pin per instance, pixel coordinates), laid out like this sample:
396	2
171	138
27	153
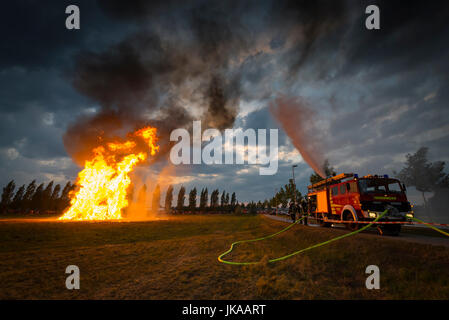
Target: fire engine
346	197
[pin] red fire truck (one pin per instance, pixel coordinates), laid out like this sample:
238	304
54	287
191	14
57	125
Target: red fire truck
346	197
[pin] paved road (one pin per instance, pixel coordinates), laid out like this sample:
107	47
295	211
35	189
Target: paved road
415	238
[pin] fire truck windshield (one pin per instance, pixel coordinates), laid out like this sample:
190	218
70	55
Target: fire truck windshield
379	186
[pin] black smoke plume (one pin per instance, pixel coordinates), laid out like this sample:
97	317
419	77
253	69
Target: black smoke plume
187	61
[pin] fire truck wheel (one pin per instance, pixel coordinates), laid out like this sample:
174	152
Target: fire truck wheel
324	224
349	217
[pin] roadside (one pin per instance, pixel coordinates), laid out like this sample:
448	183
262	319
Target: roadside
408	234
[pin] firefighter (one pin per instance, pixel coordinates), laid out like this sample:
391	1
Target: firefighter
303	210
292	211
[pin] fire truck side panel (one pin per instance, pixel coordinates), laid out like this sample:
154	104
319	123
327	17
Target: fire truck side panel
343	194
322	201
337	201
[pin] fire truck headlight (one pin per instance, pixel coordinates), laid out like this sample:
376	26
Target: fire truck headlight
372	214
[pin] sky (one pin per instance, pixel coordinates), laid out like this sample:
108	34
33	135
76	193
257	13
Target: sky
364	98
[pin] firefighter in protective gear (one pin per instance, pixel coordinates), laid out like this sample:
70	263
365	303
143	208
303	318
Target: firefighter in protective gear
292	211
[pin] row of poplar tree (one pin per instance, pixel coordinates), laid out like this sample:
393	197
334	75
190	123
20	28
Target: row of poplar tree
35	198
51	198
215	201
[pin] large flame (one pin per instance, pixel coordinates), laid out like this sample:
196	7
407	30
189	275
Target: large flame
102	186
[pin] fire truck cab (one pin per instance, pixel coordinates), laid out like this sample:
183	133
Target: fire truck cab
346	197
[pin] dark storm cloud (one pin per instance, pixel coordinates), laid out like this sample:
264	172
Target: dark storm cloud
34	33
149	70
34	112
35	107
376	83
412	33
317	19
405	66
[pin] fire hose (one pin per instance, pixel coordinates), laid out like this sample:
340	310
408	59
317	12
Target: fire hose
370	223
429	225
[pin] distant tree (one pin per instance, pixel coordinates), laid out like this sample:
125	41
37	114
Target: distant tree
55	197
252	207
7	195
214	198
201	197
233	200
142	195
36	200
129	199
223	199
227	199
46	196
131	190
282	197
17	201
55	193
238	209
204	198
156	201
285	194
27	197
274	203
64	199
181	198
291	193
141	203
168	198
328	170
425	176
266	204
192	198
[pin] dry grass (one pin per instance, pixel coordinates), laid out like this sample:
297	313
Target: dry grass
177	259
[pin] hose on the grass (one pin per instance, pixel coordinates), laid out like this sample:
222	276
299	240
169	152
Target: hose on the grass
220	257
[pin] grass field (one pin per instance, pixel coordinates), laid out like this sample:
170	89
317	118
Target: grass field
177	259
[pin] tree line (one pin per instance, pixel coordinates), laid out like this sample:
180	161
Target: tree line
33	198
286	194
192	201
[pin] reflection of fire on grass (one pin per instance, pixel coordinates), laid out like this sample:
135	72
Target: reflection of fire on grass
102	186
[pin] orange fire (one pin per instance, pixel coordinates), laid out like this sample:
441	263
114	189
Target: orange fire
102	186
